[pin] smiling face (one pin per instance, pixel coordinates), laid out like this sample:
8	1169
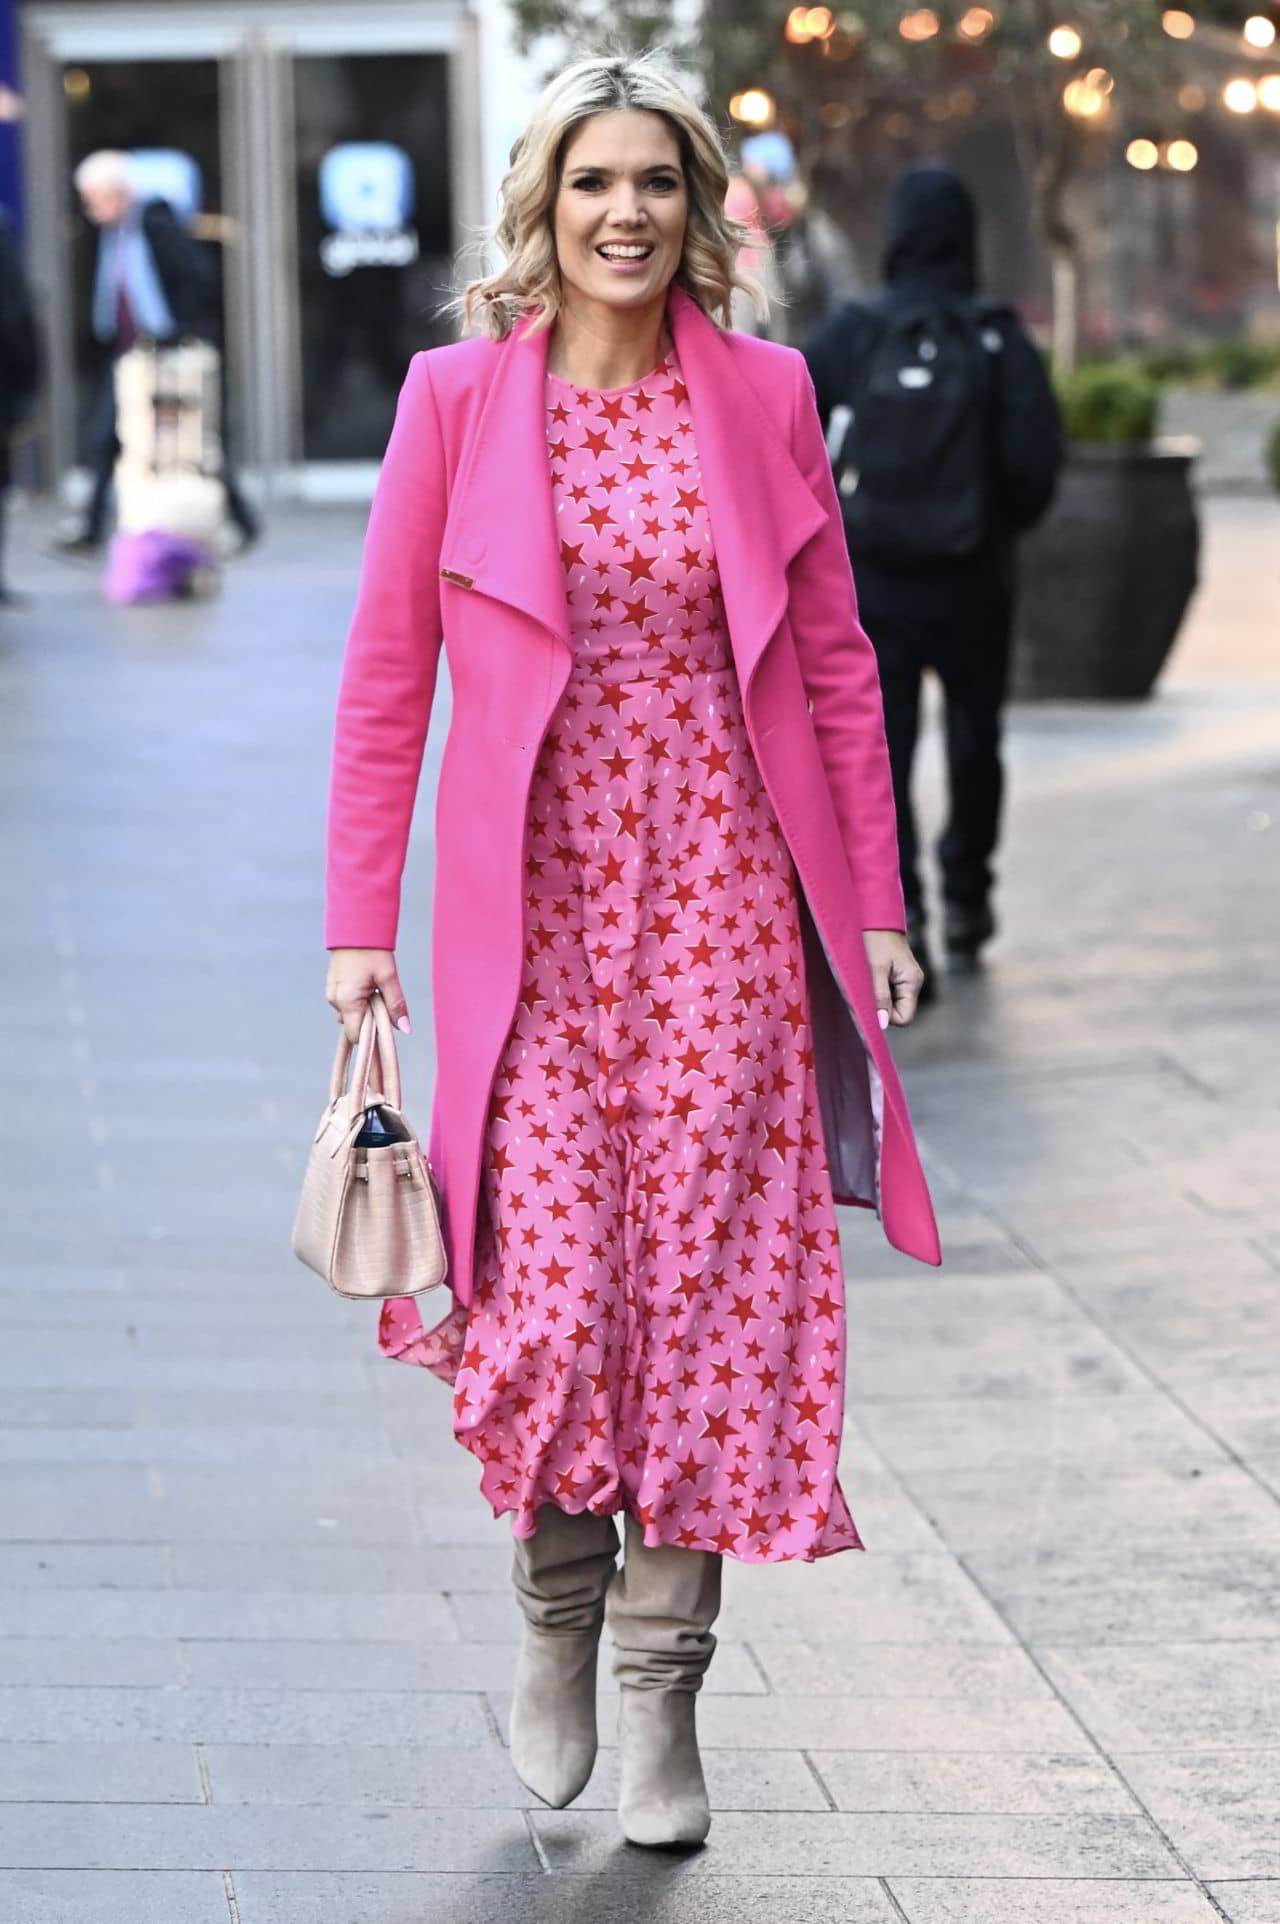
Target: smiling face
620	210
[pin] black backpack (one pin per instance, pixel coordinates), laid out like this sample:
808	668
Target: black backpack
916	466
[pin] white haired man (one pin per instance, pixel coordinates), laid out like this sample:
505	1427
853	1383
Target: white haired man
154	281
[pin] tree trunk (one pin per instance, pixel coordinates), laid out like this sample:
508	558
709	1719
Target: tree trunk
1063	243
1065	265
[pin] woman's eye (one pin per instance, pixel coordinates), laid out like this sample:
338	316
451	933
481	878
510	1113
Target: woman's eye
589	182
665	183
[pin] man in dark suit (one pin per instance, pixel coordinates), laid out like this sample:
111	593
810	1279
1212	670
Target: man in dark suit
154	281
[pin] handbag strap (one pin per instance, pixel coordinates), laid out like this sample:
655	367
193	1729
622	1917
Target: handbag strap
377	1037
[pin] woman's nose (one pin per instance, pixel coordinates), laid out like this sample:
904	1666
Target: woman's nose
625	207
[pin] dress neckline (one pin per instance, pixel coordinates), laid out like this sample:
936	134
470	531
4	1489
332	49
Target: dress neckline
664	366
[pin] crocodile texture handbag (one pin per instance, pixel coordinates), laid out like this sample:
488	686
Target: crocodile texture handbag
368	1219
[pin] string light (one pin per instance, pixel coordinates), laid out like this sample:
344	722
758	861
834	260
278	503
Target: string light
920	25
754	107
1269	92
1178	24
1142	154
1065	43
1259	31
1182	155
1240	96
1083	98
975	23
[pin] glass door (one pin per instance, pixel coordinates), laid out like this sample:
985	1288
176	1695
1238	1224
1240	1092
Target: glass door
374	237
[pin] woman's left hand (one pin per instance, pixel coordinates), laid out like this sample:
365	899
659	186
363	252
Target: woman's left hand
896	974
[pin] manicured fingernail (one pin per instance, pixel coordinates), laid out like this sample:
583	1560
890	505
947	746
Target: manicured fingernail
402	1022
884	1017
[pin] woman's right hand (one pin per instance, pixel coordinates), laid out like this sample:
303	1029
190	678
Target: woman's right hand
353	976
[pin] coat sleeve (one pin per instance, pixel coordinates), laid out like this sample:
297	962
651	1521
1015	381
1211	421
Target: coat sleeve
838	666
388	679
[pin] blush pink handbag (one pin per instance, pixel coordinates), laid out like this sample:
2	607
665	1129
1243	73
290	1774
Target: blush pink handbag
368	1219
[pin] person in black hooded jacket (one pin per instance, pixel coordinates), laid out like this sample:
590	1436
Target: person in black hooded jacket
954	613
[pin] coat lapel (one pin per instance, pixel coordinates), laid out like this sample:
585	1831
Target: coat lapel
761	508
502	538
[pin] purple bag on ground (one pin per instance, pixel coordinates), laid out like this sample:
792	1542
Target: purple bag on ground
152	566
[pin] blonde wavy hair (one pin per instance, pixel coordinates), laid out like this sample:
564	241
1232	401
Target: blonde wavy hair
529	284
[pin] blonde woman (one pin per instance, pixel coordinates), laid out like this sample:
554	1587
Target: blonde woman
667	925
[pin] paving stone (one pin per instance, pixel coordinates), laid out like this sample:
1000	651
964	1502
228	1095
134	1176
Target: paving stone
38	1407
240	1716
1089	1594
1249	1902
329	1567
403	1665
54	1369
1243	1410
89	1660
1211	1321
192	1613
78	1566
270	1447
1223	1822
109	1897
847	1668
1215	1507
991	1337
1138	1430
886	1723
669	1898
248	1837
902	1844
1175	1696
876	1598
1018	1785
980	1900
476	1777
122	1773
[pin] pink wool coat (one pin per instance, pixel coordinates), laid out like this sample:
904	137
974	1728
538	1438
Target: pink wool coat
462	550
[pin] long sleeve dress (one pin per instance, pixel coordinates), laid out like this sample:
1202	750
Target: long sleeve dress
658	1316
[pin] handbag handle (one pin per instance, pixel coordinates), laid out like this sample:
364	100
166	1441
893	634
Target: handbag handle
376	1037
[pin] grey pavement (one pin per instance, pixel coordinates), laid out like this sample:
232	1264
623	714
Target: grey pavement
256	1635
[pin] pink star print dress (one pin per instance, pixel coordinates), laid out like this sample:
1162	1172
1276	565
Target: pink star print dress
658	1323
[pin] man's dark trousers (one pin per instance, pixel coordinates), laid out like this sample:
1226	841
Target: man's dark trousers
960	627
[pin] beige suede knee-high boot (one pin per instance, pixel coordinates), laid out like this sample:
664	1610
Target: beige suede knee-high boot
560	1574
660	1611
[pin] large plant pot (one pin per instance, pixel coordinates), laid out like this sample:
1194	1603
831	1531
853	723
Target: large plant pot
1106	578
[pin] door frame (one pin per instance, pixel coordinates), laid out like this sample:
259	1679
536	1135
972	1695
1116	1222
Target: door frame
254	42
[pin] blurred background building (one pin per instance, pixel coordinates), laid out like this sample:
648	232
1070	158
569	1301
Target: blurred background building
339	153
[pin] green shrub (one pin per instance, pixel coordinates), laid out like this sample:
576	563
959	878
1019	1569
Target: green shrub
1113	401
1243	363
1169	363
1273	456
1229	365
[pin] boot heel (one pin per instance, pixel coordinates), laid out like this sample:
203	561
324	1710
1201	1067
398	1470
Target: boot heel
663	1798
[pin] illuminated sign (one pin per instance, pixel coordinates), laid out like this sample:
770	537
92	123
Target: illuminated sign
367	199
